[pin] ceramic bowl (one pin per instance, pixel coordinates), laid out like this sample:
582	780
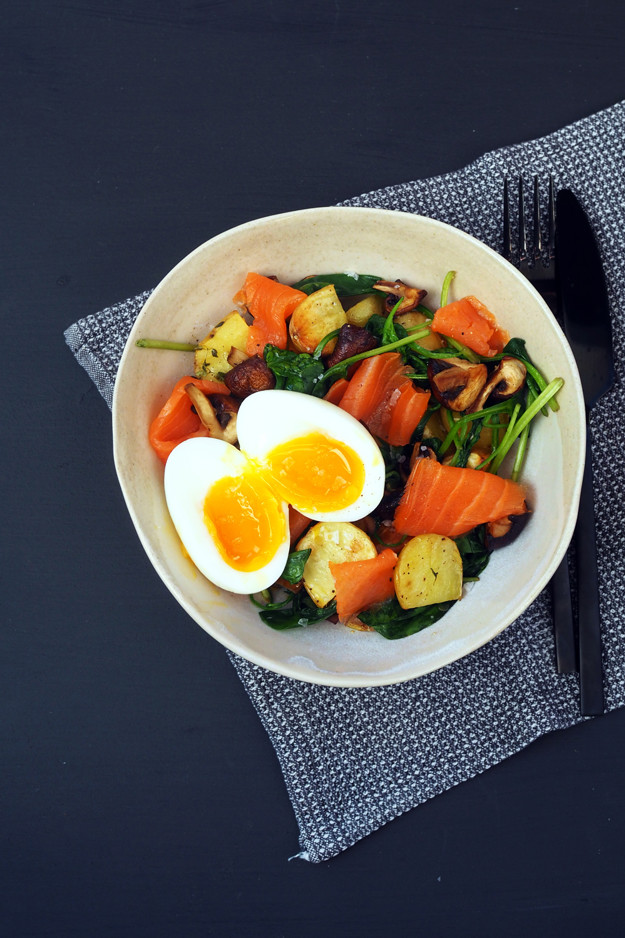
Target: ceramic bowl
198	292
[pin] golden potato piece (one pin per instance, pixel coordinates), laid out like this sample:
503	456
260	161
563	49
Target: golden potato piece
331	542
316	316
413	321
429	570
211	356
360	313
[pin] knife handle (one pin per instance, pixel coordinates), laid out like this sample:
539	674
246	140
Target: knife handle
563	621
590	665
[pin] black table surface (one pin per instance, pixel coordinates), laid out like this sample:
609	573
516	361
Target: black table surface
140	793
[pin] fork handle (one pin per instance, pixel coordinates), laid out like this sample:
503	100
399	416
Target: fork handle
590	666
563	621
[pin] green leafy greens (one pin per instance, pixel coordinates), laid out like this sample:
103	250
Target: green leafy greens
297	611
294	569
294	371
344	284
392	622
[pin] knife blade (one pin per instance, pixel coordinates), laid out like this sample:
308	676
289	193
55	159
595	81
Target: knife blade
587	326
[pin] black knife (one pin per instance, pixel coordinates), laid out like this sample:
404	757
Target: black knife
586	317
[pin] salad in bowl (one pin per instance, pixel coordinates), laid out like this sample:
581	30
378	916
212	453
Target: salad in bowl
350	477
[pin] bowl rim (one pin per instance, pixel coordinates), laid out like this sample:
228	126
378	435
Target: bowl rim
229	640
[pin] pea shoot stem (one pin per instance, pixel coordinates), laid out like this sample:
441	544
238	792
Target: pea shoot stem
166	344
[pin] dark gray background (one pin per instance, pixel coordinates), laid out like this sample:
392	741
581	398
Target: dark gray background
140	795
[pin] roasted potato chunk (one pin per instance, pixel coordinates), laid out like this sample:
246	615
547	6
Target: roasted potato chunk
429	570
316	316
331	542
211	356
360	313
413	321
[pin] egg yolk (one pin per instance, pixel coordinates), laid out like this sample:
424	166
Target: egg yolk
245	520
316	473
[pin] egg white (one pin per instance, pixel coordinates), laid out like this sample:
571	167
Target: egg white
190	471
267	419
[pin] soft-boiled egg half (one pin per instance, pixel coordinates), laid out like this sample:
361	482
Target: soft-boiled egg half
230	506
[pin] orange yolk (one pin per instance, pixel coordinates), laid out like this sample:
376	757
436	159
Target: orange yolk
316	473
245	520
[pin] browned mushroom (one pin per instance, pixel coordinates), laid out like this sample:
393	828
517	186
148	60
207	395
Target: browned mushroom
456	383
397	289
205	411
507	378
503	531
250	376
353	622
351	340
500	527
236	356
226	408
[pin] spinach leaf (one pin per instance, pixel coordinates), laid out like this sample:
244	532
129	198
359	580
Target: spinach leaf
418	363
294	371
392	622
517	348
377	324
301	611
344	284
414	355
389	332
474	552
294	569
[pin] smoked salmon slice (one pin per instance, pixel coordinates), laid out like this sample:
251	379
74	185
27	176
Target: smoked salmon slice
384	398
470	322
270	303
361	584
450	500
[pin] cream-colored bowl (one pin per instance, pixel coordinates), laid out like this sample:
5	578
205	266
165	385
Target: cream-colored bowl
198	292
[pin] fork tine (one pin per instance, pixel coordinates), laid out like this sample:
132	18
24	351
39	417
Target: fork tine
522	231
506	221
538	243
533	250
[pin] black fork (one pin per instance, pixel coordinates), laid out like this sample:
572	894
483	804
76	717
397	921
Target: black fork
538	263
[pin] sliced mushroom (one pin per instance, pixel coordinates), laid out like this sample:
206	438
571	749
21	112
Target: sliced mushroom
351	340
226	408
353	622
205	411
507	378
456	383
250	376
503	531
397	289
236	356
500	527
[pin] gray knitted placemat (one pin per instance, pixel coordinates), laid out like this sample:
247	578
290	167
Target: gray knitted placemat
354	759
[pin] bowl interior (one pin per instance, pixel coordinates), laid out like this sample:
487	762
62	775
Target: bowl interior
198	293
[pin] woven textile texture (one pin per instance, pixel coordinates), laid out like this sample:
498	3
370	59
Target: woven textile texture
354	759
